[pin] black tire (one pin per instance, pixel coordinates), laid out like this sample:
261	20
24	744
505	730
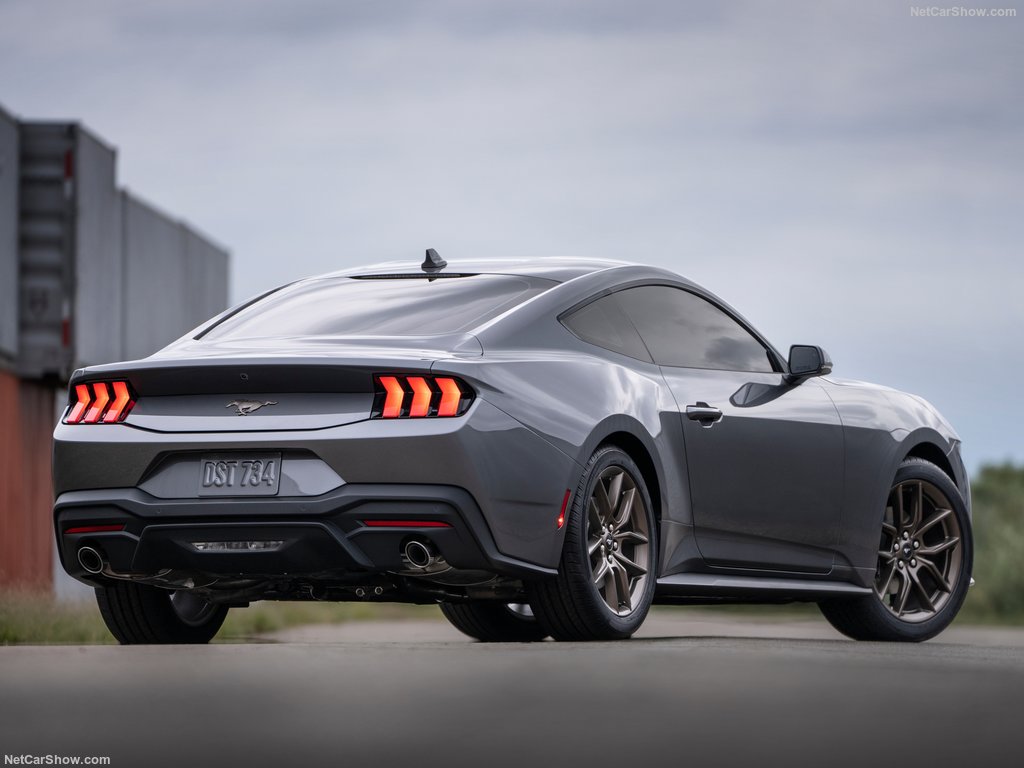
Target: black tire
138	614
490	621
882	616
570	606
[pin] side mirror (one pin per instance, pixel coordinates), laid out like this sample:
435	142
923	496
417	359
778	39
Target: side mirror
806	361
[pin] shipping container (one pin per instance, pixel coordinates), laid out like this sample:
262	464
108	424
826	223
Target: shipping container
103	275
8	240
70	251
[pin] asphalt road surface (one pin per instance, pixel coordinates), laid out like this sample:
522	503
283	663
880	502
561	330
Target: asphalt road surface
691	690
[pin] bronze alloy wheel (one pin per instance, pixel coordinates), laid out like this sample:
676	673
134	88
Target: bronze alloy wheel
924	561
618	539
920	556
606	575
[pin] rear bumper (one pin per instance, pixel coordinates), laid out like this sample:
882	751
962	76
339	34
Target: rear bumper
512	480
325	536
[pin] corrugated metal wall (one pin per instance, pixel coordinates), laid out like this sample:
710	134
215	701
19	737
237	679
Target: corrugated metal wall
26	498
165	258
8	240
98	263
46	242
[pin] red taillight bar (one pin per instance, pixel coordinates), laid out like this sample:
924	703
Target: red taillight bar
394	397
99	405
421	395
94	404
450	397
77	411
404	397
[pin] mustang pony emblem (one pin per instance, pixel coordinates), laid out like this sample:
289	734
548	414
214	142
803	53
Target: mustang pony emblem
245	407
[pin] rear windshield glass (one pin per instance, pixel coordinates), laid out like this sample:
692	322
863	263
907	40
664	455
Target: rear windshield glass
346	306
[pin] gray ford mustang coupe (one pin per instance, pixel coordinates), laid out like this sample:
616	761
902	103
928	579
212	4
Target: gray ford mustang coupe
542	447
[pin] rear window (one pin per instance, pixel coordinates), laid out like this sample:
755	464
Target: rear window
347	306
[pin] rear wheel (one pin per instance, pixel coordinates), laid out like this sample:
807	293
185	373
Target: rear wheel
139	614
606	577
925	556
492	622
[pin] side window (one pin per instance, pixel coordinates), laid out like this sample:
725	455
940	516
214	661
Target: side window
682	329
603	323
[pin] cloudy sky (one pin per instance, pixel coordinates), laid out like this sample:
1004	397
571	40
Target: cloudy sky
845	173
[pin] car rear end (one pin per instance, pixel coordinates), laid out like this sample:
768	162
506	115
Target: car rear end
312	445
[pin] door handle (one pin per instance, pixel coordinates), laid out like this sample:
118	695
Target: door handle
704	413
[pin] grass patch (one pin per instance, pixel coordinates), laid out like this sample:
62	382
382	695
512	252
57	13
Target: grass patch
32	617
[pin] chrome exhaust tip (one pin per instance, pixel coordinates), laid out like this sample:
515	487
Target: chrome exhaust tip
91	560
419	554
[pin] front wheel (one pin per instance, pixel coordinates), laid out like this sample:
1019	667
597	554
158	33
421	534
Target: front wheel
925	556
139	614
606	577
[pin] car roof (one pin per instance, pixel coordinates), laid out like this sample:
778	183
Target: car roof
557	268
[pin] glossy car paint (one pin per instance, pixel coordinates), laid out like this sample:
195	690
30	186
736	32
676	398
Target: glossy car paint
789	486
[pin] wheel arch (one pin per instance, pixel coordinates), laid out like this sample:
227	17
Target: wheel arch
632	439
931	452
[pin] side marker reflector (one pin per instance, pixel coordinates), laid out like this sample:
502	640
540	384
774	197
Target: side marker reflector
561	512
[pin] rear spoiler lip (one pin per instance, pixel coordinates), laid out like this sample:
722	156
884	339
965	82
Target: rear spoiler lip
349	369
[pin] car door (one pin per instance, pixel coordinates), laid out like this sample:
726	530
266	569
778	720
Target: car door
765	458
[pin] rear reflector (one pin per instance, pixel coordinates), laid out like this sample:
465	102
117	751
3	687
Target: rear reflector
95	529
406	524
416	397
101	402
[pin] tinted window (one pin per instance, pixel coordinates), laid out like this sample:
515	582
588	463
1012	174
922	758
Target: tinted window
603	323
682	329
346	306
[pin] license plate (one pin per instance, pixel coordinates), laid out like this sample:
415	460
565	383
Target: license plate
238	475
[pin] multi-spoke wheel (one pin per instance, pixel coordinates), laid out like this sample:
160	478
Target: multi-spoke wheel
141	614
618	539
493	622
924	561
606	576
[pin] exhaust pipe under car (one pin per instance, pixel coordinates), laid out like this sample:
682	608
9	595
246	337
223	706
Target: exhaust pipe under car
91	560
420	554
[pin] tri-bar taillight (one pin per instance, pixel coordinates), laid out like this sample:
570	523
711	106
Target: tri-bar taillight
100	402
405	396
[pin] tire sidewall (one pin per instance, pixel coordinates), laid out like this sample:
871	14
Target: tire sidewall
575	553
928	472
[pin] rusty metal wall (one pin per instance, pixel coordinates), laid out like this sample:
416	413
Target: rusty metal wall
26	492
